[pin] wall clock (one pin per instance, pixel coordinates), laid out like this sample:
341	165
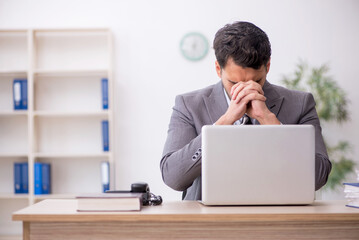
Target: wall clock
194	46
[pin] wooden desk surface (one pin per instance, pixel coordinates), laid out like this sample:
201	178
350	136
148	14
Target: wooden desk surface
58	220
64	210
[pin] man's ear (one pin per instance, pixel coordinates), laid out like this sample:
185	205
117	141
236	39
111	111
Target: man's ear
268	65
218	69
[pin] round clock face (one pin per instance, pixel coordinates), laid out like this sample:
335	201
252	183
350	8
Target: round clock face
194	46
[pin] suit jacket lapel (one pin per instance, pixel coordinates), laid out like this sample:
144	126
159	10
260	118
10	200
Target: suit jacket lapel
216	103
274	100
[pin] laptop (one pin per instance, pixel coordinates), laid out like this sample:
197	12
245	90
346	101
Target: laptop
258	165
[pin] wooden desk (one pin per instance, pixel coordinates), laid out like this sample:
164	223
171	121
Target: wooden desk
58	219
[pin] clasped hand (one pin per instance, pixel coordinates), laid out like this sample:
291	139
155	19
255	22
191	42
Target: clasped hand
248	97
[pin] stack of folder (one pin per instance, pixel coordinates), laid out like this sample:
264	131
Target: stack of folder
42	178
351	191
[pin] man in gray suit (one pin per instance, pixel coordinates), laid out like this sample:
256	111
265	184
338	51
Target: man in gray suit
243	96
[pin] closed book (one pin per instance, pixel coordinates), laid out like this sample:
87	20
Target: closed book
352	195
353	205
351	191
105	136
351	187
17	178
353	202
104	87
24	94
109	202
46	178
17	94
25	177
38	178
105	176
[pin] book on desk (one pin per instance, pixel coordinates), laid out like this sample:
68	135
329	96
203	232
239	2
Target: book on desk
109	202
351	191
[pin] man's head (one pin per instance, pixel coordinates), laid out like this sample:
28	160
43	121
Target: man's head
243	53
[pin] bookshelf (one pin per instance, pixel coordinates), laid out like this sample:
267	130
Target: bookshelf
62	124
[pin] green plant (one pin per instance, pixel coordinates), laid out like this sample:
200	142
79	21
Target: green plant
332	106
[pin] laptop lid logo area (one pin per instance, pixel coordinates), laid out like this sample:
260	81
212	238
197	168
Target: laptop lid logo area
258	165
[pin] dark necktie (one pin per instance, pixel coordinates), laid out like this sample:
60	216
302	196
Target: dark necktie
245	120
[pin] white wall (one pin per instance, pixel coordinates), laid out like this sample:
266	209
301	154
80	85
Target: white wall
150	71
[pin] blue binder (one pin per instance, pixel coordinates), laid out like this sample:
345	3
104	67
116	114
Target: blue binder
46	178
104	86
38	178
20	94
24	94
17	94
17	178
25	177
105	176
105	136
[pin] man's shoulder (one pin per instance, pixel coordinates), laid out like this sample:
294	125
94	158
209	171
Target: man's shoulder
199	93
195	99
282	91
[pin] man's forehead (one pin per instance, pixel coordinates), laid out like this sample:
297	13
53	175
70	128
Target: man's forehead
237	73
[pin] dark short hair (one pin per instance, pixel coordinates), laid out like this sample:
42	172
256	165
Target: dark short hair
244	42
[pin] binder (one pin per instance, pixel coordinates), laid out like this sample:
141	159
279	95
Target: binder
46	178
105	136
24	94
20	94
105	176
25	177
38	178
17	178
104	87
17	94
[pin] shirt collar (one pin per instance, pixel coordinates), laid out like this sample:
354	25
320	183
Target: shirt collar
227	97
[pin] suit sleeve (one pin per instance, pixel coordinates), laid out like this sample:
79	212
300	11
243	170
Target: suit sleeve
322	164
181	161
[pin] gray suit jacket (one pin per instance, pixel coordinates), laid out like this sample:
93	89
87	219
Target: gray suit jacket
181	161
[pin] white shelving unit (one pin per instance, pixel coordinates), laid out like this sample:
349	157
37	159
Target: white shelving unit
62	124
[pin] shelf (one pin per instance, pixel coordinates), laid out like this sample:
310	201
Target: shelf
72	94
14	134
13	73
70	72
13	51
71	49
63	123
68	135
6	92
14	196
24	31
13	155
14	113
71	155
70	114
74	30
55	195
